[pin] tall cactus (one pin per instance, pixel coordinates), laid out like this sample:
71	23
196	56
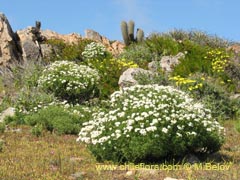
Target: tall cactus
140	35
131	31
128	33
124	29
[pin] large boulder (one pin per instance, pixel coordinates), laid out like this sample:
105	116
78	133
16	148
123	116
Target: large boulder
9	50
8	112
128	77
167	63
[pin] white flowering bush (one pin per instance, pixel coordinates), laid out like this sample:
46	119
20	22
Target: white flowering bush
151	122
94	51
69	81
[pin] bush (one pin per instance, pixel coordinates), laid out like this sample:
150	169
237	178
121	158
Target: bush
138	53
70	52
94	51
110	70
162	45
150	122
55	119
69	81
211	91
194	60
2	127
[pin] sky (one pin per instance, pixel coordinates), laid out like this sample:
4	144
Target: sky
215	17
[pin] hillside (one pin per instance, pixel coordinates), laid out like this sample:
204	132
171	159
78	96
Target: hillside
73	107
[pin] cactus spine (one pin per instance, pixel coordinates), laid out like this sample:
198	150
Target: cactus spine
128	33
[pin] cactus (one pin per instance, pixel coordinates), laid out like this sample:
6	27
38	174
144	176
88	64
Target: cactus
131	31
128	33
124	29
140	35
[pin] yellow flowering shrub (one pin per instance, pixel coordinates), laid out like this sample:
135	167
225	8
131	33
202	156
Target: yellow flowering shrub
219	60
187	83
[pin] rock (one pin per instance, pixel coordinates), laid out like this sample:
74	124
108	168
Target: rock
127	77
129	173
236	50
116	47
72	38
169	178
153	66
93	35
8	112
47	50
30	49
168	62
235	96
9	50
78	175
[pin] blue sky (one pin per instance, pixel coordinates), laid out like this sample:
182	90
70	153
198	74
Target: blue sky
220	17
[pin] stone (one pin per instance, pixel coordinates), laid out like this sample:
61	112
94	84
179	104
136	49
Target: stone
236	50
127	78
72	38
9	49
46	50
235	96
116	47
30	48
8	112
167	63
93	35
153	66
169	178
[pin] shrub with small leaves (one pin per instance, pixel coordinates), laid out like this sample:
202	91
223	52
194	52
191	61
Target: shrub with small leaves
110	69
94	51
151	122
70	81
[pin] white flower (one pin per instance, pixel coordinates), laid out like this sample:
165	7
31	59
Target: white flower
165	130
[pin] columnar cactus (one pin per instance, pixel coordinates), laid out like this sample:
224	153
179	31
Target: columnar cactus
131	31
124	29
140	35
128	33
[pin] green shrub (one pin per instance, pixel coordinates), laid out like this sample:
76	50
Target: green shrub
194	60
211	91
69	81
138	53
37	130
200	38
237	125
150	122
55	119
162	45
110	71
70	52
2	127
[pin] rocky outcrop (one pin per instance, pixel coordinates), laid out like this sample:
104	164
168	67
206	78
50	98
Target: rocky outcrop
9	50
30	43
236	50
8	112
167	63
30	49
128	77
72	38
114	47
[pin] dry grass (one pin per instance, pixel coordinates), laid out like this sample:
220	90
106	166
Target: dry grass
52	157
